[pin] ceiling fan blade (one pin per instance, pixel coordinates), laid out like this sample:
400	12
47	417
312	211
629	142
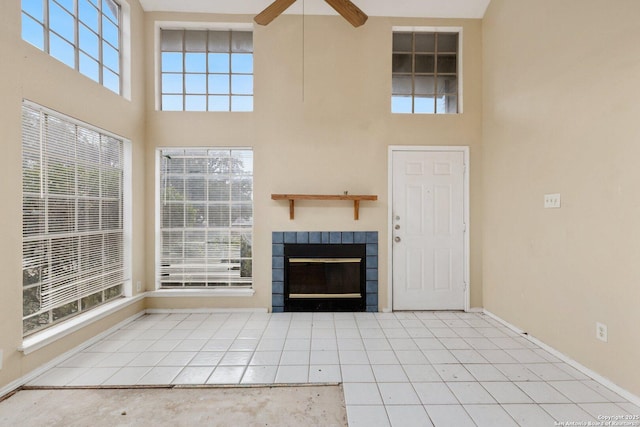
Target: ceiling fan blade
272	11
349	11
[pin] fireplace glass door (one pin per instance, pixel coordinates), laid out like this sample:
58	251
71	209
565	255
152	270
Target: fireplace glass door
324	277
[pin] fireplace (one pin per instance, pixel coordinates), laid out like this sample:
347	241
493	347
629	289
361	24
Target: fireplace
324	271
321	277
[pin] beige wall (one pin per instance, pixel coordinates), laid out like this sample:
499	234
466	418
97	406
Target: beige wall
561	115
31	74
321	124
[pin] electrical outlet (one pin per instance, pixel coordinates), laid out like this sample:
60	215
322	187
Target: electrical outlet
601	331
552	201
138	286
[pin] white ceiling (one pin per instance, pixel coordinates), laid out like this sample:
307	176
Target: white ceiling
396	8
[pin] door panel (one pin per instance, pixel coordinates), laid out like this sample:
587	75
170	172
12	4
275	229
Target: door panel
428	230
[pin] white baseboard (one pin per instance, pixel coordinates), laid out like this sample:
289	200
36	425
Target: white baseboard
56	332
588	372
201	293
204	310
52	363
55	361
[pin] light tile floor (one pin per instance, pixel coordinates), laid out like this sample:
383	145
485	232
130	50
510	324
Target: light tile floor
397	369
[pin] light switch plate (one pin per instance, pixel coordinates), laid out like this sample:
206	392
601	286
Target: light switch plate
552	201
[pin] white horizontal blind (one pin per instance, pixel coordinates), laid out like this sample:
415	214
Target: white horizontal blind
206	218
73	241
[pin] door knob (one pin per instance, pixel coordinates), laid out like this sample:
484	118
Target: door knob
397	239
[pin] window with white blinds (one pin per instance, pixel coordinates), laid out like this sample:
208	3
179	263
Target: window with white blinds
73	239
206	218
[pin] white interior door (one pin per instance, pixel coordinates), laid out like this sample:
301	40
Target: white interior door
428	235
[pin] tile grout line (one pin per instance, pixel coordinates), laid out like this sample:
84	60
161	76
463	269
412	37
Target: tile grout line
394	334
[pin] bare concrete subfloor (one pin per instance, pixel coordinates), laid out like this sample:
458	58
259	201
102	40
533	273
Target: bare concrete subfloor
210	406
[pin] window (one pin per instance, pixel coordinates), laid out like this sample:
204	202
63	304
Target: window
206	70
84	34
72	204
206	218
425	72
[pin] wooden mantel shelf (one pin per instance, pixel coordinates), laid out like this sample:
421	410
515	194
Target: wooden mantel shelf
293	197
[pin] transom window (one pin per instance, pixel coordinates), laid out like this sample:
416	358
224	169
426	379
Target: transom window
73	250
206	70
206	218
84	34
425	72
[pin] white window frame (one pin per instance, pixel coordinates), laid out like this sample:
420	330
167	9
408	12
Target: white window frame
127	291
187	25
123	49
185	291
460	73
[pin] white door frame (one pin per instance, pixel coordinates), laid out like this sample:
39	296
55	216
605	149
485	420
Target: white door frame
466	253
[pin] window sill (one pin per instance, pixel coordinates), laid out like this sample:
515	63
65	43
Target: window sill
54	333
217	293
